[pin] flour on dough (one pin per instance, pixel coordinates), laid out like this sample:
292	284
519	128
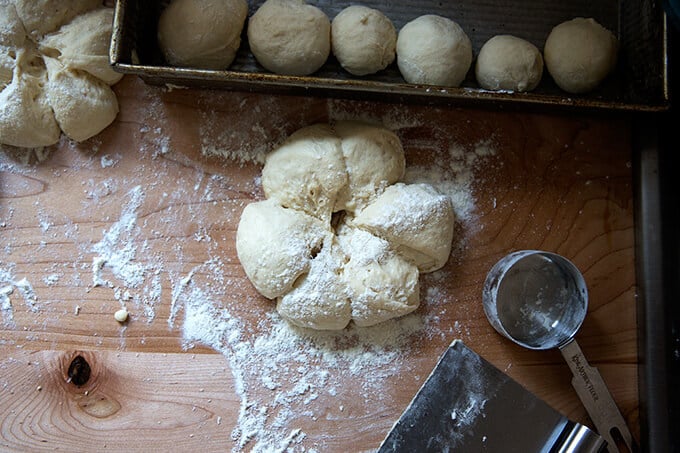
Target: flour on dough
416	219
319	298
381	284
276	245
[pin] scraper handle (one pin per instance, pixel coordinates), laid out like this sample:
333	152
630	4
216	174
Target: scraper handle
596	398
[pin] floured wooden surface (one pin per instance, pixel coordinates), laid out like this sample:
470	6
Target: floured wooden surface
144	216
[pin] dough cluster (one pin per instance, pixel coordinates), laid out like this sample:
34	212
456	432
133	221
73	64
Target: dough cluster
339	238
55	74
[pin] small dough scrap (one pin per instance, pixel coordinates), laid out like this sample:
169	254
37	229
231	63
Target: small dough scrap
433	50
83	105
374	158
84	43
382	285
276	245
203	34
26	118
579	54
363	40
510	63
307	172
12	33
319	299
416	219
290	37
45	16
7	63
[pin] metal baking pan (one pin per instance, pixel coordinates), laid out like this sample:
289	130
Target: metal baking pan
639	82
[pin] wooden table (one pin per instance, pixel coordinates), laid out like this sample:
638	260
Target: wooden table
144	216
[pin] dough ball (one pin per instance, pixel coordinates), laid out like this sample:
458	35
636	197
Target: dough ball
202	33
276	245
83	105
84	43
374	158
12	33
579	54
509	63
26	118
381	284
319	299
363	40
307	172
290	37
416	219
433	50
45	16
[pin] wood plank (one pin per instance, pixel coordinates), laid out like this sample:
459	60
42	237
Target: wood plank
144	211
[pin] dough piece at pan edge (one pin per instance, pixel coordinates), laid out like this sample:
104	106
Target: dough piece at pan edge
204	34
363	40
83	105
307	171
275	245
290	37
319	299
40	17
579	54
507	62
416	220
382	285
26	118
374	159
83	44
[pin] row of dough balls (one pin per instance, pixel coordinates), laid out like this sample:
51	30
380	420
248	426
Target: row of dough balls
55	74
291	37
338	237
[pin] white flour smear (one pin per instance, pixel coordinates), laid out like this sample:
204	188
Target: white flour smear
139	283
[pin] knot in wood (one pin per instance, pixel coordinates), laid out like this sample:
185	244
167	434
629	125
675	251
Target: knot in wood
79	371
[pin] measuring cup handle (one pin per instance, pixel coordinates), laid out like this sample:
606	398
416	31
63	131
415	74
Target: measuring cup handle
596	398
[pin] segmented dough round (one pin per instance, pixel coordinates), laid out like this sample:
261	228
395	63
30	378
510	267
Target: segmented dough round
202	33
338	238
290	37
363	40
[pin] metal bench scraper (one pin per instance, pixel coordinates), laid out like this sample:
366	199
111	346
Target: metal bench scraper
469	405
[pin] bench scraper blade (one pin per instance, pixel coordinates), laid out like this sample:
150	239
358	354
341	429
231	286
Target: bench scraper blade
468	405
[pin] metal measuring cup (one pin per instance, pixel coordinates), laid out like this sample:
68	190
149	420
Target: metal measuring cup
539	300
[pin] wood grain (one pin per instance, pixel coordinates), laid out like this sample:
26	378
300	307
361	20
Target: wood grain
558	183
